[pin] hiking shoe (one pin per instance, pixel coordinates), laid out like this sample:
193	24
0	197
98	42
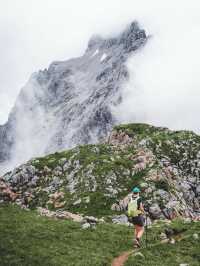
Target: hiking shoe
136	243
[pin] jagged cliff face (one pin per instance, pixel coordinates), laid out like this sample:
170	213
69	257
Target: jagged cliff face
71	102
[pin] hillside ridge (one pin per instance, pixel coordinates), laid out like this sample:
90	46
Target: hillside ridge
96	179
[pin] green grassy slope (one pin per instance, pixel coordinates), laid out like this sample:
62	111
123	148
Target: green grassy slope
184	252
28	239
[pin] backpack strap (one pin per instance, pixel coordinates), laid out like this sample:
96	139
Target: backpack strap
139	201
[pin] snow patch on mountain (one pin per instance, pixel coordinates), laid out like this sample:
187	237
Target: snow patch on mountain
95	53
103	57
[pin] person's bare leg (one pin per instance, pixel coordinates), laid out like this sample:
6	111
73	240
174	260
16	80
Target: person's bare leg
136	241
135	232
137	229
140	231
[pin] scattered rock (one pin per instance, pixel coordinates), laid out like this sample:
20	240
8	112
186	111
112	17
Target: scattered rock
138	254
119	138
172	241
163	236
6	192
56	199
122	204
77	202
101	220
164	241
87	199
195	236
144	185
169	213
187	220
155	211
120	219
59	204
85	226
90	219
60	214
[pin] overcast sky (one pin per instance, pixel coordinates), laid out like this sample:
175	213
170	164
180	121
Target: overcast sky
34	33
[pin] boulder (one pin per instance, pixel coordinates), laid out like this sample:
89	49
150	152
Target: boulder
85	226
77	202
163	236
138	254
90	219
195	236
120	219
169	213
155	211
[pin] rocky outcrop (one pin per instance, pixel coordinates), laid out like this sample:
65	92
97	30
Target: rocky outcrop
6	192
171	160
86	221
60	215
70	102
97	179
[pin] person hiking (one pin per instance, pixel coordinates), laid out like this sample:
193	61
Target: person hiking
135	214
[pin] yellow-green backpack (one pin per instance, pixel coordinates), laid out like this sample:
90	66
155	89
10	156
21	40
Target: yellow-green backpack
133	208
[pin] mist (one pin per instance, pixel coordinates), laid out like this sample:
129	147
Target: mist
164	84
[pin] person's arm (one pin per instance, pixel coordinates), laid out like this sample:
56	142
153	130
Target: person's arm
141	207
128	200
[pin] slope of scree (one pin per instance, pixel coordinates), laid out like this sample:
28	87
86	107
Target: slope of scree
96	179
70	102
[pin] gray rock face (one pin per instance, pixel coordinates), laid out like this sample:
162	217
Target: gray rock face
155	211
86	226
6	140
70	102
120	219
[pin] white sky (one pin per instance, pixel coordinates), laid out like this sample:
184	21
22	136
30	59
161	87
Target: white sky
34	33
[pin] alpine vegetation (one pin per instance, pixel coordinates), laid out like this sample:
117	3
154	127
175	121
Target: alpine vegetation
96	179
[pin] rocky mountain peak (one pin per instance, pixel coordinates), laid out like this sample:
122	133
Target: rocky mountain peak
95	42
71	102
126	40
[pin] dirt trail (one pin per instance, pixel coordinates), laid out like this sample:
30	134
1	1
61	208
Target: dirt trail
119	261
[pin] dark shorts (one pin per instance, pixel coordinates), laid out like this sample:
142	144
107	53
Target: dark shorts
138	220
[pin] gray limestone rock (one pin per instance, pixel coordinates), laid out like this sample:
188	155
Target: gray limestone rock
120	219
155	211
70	102
85	226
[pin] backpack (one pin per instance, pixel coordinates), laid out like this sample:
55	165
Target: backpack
133	207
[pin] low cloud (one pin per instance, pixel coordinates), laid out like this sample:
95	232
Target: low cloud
164	85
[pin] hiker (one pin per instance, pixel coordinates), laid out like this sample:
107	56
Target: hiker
135	213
